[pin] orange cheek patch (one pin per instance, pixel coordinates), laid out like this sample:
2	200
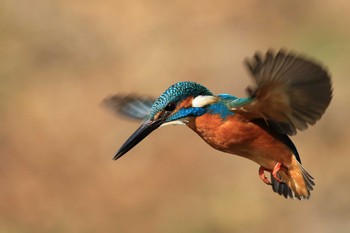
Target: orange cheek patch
186	103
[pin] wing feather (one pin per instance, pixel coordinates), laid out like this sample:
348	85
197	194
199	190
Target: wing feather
291	91
130	106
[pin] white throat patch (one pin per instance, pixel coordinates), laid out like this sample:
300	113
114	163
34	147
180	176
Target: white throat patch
203	100
178	122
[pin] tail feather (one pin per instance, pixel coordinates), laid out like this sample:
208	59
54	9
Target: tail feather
281	188
298	183
308	178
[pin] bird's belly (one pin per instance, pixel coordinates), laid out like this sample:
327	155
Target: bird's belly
242	138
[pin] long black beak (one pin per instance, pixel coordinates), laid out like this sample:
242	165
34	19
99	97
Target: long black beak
145	129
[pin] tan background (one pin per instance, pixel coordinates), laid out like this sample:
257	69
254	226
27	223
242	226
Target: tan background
59	59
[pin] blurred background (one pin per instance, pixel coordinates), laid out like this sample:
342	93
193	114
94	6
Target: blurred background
60	58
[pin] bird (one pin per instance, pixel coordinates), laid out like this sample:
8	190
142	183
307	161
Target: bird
290	92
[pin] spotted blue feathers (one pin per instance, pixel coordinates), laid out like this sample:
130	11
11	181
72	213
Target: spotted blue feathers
177	92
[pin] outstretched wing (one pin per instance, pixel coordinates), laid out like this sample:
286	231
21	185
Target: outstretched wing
291	91
130	106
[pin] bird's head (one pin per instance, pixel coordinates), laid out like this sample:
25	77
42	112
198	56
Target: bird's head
176	105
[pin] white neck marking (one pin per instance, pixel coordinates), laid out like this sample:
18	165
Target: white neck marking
203	100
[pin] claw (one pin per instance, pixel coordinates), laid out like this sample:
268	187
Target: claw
262	175
276	168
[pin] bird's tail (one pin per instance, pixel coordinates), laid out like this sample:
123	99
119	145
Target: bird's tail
297	182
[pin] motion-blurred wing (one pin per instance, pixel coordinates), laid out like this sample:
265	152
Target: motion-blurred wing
131	106
291	92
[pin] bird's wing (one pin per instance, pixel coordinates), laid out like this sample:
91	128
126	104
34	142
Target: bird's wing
291	92
130	106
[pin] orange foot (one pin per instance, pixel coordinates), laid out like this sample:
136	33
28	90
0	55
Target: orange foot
276	168
262	175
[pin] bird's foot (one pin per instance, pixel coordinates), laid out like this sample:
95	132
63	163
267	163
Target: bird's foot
274	171
262	175
276	168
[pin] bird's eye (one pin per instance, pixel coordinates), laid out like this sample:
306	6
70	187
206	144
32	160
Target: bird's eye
170	107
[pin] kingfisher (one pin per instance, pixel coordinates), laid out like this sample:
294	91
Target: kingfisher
290	92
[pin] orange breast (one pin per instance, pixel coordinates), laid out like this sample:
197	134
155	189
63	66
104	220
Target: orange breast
237	136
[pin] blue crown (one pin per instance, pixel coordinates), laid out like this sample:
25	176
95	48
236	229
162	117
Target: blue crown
178	92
